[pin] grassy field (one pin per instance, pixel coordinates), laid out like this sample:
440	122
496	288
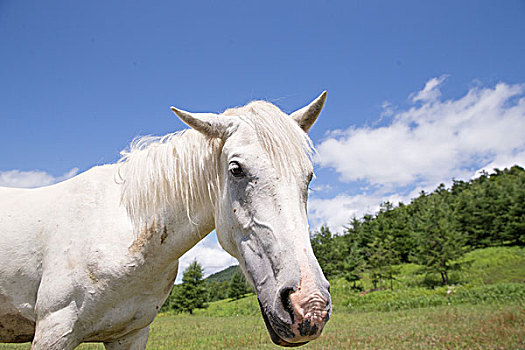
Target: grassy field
485	310
444	327
463	327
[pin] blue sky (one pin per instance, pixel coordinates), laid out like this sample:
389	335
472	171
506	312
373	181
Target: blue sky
418	92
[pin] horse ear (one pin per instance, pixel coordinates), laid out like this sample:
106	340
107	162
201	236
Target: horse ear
307	116
209	124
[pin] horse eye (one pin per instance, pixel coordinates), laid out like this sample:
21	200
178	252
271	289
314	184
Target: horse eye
235	169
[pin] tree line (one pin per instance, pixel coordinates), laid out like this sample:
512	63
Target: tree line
433	231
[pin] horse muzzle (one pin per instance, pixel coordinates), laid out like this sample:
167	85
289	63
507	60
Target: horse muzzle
298	316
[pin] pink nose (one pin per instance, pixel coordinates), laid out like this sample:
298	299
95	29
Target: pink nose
310	314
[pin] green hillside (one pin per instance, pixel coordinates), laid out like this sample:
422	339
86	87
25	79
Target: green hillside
434	231
224	275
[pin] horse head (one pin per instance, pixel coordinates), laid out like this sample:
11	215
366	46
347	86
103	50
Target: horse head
260	211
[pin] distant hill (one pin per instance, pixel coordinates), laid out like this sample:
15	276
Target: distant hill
224	275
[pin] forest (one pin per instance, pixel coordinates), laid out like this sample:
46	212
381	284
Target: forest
434	231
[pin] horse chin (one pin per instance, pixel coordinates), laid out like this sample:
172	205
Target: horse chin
273	334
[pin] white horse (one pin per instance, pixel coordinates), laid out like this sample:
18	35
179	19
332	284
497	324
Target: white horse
94	258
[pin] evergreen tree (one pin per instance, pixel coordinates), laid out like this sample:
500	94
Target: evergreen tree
439	240
353	262
353	265
357	242
191	294
237	287
490	209
170	304
217	290
389	235
328	253
383	260
514	230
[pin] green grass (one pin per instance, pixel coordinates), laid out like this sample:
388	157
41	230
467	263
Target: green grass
494	265
247	306
444	327
461	327
410	298
484	311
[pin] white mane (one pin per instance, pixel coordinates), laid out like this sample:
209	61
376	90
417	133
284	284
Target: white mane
181	169
159	173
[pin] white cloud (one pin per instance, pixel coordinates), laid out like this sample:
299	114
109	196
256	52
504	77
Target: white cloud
31	179
431	90
502	162
338	211
434	141
387	110
210	256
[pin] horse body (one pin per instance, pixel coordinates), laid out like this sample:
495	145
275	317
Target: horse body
72	258
94	258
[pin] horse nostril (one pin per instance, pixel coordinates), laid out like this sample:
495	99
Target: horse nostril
286	302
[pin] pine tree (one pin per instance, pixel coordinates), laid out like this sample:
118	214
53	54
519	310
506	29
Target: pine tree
217	290
237	287
356	252
439	241
328	253
191	294
515	228
352	265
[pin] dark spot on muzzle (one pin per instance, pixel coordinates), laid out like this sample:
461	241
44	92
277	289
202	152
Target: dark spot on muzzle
306	329
280	327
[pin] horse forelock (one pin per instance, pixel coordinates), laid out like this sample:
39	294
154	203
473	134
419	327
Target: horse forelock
287	145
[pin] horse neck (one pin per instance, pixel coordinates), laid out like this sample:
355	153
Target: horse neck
168	237
176	210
